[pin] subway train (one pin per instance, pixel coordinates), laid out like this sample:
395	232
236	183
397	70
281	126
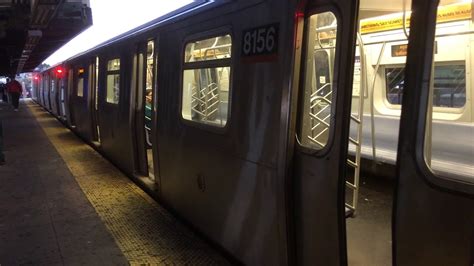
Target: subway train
246	119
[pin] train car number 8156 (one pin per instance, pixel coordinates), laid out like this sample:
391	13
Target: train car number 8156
260	42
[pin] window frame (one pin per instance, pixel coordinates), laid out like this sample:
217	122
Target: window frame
302	77
436	109
97	60
433	175
52	83
112	72
76	80
153	83
226	62
434	179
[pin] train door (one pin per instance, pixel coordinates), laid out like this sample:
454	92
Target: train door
94	106
327	30
56	91
70	94
433	213
62	98
143	81
40	89
56	94
43	88
47	91
52	92
149	105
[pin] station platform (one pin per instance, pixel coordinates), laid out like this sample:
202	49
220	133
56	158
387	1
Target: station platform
62	203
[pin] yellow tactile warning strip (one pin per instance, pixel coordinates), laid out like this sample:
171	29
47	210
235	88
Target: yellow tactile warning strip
145	232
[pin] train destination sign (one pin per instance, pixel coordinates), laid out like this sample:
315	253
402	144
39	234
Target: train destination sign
260	44
401	49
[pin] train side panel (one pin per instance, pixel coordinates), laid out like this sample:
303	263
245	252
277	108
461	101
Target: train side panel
114	118
224	180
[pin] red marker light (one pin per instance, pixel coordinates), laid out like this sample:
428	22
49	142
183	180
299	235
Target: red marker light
36	77
59	72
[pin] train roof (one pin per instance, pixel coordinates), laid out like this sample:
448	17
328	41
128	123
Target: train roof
178	14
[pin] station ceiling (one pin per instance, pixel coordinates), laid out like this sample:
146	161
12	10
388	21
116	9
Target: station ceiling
31	30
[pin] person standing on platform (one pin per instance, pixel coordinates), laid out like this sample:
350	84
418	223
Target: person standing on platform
14	89
7	95
3	92
2	156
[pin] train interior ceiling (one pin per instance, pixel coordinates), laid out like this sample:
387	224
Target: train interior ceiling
377	93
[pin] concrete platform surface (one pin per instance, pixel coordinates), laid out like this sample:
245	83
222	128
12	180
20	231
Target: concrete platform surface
61	203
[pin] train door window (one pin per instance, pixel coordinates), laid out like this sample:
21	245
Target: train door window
70	88
95	116
96	84
113	81
90	80
47	91
316	113
80	82
150	54
45	88
62	97
70	79
206	80
52	103
449	146
149	90
51	93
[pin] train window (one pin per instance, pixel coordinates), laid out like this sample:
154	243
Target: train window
80	82
149	66
206	81
448	145
209	49
449	87
113	81
317	99
394	78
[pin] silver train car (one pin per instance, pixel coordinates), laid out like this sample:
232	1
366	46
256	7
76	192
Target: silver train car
245	118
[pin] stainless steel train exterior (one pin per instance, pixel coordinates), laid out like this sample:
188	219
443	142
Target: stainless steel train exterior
229	82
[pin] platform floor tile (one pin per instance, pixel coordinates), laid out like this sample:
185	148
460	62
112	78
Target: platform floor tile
40	202
144	231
